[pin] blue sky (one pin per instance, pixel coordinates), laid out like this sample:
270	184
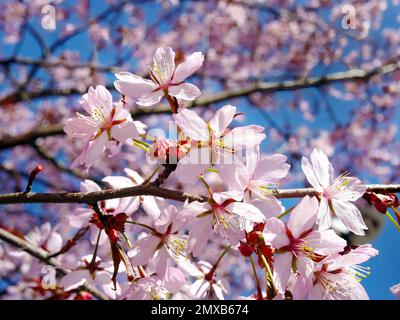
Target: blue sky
385	268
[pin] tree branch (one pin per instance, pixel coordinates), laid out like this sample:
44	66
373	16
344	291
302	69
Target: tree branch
151	190
90	197
43	256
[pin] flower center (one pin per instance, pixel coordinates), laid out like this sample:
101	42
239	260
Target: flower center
335	287
340	184
224	220
177	246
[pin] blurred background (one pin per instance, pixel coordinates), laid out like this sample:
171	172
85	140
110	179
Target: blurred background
315	73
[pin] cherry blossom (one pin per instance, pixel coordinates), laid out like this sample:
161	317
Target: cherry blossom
155	288
143	225
108	125
336	195
213	143
297	243
164	241
166	79
206	283
338	276
258	177
86	271
224	214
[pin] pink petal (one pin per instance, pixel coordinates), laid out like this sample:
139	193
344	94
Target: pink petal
54	242
199	234
303	216
134	176
117	182
74	279
192	125
162	263
308	171
354	189
150	99
221	119
272	168
164	62
305	277
94	150
188	67
248	212
143	250
252	160
282	269
89	186
234	175
132	85
150	207
248	136
189	173
324	217
174	280
325	242
356	256
124	131
79	217
270	206
100	98
322	167
184	91
275	233
81	128
350	216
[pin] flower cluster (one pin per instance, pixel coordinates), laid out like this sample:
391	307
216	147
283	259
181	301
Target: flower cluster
145	247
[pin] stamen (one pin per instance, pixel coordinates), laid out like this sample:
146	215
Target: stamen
177	246
359	272
225	221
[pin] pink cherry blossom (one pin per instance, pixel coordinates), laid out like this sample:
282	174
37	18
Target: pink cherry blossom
213	143
87	272
45	237
107	125
206	284
257	177
338	276
298	242
337	195
155	288
163	241
224	214
166	79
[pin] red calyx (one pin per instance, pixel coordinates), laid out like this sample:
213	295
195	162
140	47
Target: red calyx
381	202
111	224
